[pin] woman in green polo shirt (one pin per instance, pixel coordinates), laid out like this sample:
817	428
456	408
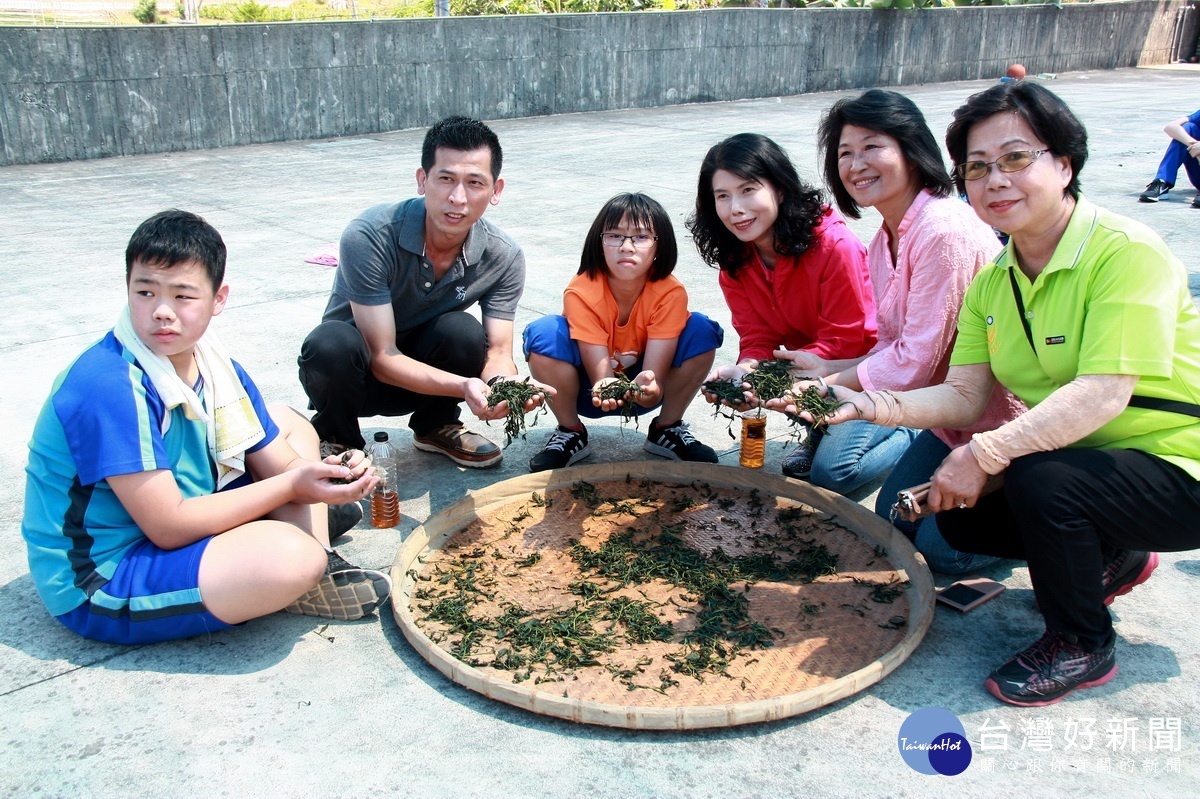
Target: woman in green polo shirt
1086	317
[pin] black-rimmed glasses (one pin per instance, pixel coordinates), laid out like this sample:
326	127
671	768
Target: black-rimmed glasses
641	241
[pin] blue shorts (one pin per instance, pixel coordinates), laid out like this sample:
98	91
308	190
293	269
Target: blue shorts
551	336
154	595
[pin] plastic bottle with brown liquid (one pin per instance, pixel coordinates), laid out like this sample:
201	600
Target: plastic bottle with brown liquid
385	501
754	439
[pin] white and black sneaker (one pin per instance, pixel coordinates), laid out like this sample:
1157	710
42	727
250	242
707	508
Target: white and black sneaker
346	592
565	447
677	443
1155	190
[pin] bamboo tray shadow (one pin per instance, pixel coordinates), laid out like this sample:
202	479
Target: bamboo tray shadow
697	708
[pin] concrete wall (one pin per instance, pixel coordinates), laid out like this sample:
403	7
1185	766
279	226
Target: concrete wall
71	93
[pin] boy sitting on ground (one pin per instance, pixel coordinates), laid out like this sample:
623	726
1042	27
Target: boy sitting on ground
163	500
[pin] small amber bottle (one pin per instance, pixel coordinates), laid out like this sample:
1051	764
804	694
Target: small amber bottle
754	439
385	507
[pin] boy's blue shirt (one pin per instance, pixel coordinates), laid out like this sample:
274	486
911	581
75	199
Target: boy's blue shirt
104	418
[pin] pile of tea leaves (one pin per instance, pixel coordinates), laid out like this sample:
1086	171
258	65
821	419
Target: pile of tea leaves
724	626
598	615
516	393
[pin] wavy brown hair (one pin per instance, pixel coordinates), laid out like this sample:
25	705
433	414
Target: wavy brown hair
752	156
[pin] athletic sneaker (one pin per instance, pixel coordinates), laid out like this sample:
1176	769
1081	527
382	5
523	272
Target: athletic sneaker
798	463
565	447
460	445
1050	669
1127	571
346	592
677	443
1156	189
343	519
1196	201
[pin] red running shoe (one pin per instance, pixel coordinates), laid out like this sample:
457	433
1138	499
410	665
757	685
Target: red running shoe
1127	571
1050	669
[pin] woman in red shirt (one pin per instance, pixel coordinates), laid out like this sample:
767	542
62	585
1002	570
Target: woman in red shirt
794	276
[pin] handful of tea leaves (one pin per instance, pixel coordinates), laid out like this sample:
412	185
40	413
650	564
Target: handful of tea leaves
620	389
345	461
516	393
771	379
726	390
819	406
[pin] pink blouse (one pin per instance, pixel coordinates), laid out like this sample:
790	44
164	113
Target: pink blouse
942	245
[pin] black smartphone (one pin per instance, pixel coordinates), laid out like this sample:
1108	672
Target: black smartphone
967	595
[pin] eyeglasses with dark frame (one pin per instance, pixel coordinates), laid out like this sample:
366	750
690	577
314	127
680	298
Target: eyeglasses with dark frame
1009	162
640	241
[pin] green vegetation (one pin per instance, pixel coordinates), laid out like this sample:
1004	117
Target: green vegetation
314	10
211	12
146	12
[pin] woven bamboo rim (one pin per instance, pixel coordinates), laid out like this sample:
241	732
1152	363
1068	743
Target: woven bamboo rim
442	526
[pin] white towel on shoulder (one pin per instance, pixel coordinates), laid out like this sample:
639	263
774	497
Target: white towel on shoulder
233	427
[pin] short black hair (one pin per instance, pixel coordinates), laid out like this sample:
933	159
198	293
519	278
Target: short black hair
1043	110
895	115
641	211
752	156
174	237
461	133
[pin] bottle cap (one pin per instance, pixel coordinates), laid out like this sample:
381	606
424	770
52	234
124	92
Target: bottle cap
381	436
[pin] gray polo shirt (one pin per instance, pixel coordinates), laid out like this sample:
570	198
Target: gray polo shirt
382	261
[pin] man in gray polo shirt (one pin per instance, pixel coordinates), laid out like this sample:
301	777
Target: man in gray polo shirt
396	338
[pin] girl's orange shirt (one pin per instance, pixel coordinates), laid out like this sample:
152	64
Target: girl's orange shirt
591	310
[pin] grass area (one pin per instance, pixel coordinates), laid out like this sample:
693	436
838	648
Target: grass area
254	11
134	12
150	12
301	10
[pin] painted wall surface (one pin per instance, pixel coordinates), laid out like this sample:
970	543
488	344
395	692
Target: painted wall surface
72	93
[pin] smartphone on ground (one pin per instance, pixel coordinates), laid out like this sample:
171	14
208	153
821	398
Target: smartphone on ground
969	594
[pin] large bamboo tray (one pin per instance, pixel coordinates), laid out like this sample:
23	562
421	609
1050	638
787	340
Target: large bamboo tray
845	647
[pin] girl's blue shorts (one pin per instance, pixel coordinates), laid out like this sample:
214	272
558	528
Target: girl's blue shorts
551	336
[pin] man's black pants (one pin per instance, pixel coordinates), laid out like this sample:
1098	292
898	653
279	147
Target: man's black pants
335	371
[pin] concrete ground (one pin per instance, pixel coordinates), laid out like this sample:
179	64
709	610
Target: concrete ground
291	706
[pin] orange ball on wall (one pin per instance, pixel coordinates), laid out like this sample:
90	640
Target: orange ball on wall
1016	71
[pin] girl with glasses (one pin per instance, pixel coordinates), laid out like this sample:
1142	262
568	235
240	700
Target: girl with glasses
793	274
624	313
878	153
1087	318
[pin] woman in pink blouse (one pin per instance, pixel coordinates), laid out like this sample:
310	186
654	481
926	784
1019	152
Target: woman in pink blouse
879	153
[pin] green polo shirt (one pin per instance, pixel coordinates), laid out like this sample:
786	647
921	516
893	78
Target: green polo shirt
1112	300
